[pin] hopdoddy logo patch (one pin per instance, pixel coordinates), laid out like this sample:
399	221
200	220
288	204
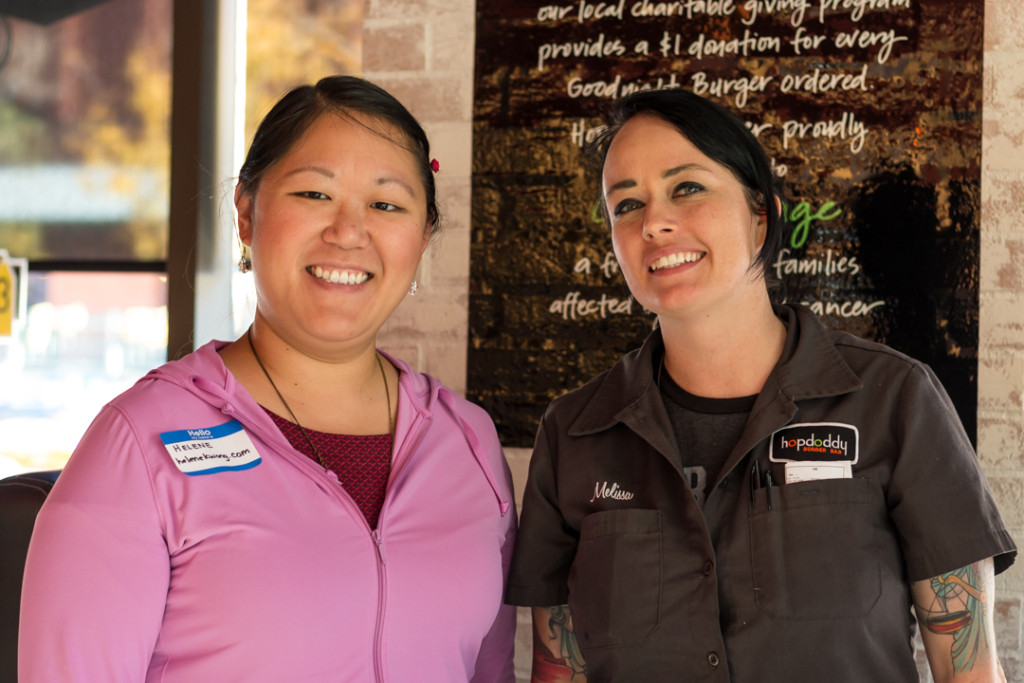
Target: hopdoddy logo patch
815	441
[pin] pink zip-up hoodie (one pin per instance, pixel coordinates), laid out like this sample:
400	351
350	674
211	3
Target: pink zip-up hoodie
187	541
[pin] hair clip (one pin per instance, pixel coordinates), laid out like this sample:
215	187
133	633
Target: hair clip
434	166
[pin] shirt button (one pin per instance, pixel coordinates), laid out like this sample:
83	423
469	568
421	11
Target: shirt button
709	567
714	660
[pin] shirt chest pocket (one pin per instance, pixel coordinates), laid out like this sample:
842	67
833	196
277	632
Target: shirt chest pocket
816	552
615	580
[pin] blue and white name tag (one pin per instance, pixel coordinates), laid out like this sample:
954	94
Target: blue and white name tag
208	450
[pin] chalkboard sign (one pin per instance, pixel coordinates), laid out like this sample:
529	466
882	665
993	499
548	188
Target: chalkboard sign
870	110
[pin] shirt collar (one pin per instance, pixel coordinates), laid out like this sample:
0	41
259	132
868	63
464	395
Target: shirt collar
810	367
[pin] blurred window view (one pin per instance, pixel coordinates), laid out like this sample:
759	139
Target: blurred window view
85	98
87	338
289	43
84	181
84	137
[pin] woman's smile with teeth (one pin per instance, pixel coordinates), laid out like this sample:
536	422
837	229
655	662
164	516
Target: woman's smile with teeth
339	277
676	259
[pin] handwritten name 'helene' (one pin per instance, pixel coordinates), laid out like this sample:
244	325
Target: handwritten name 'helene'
749	10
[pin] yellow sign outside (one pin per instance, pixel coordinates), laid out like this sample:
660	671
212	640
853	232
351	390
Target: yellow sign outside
7	290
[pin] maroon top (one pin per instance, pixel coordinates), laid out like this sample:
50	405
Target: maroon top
362	462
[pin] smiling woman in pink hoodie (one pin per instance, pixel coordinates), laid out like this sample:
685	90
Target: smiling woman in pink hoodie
294	505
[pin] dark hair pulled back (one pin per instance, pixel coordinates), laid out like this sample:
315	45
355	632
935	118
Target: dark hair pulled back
720	135
292	116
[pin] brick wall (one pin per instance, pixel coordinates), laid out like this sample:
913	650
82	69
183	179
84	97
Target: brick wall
422	51
1001	363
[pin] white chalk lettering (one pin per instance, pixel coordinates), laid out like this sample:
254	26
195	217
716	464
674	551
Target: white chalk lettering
846	309
859	7
802	41
615	89
755	8
684	8
864	39
582	134
610	265
601	10
595	47
847	127
750	43
573	307
722	87
815	265
823	79
758	128
553	12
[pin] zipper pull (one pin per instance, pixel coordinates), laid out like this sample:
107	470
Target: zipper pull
379	542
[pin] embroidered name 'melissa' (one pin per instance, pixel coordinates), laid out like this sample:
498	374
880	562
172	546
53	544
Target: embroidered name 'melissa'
208	450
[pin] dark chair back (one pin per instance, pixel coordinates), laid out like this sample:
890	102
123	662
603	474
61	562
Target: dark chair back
21	496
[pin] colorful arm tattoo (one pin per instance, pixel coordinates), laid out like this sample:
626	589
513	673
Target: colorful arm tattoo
556	653
560	625
958	609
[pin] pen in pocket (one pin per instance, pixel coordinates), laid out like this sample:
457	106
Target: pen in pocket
755	478
758	481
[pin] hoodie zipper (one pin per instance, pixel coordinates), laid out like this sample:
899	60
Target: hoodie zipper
382	584
413	437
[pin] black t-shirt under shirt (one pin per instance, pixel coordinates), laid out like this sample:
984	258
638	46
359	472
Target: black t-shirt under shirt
706	429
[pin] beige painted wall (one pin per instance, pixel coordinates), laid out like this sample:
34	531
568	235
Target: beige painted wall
422	51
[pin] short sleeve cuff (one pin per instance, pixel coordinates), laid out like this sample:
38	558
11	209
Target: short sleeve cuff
937	560
535	596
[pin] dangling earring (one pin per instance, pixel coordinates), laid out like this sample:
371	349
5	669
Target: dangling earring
413	288
244	264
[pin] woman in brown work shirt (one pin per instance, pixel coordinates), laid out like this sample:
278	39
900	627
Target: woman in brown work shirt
748	498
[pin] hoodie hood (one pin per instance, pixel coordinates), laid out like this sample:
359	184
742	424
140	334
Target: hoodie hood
422	399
